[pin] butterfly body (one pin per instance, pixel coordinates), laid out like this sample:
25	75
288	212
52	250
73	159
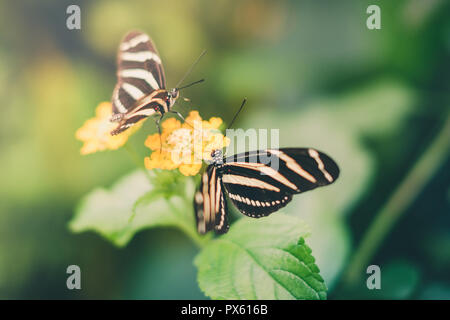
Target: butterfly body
158	102
258	183
141	88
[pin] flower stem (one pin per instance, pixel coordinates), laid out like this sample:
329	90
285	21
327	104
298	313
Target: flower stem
137	160
405	194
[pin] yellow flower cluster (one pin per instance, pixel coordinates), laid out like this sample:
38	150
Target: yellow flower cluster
96	132
184	146
180	146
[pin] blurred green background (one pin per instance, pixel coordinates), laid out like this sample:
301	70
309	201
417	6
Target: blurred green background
376	100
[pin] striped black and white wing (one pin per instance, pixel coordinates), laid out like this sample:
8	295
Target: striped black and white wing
209	203
261	182
139	73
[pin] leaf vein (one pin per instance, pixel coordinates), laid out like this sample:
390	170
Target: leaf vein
259	264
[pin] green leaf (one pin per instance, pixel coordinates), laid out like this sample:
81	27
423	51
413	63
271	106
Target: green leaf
110	212
261	259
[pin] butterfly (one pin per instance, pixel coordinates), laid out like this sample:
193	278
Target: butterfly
258	183
140	91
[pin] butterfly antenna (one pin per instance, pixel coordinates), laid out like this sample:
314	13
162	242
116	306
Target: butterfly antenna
234	118
237	113
191	68
190	84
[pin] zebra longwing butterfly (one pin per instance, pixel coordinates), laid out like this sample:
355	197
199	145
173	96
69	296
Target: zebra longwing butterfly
255	186
141	86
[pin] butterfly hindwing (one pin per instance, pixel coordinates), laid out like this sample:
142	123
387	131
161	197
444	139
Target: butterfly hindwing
256	202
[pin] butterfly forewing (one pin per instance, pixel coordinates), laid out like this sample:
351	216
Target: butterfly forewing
293	170
210	204
139	71
137	52
140	79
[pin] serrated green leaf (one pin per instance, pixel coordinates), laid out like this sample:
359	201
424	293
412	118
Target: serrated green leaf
110	212
261	259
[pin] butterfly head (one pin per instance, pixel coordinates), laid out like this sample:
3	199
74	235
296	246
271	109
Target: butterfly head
216	156
172	96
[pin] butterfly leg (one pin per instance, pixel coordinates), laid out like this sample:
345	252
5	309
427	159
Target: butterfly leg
181	116
158	121
116	117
